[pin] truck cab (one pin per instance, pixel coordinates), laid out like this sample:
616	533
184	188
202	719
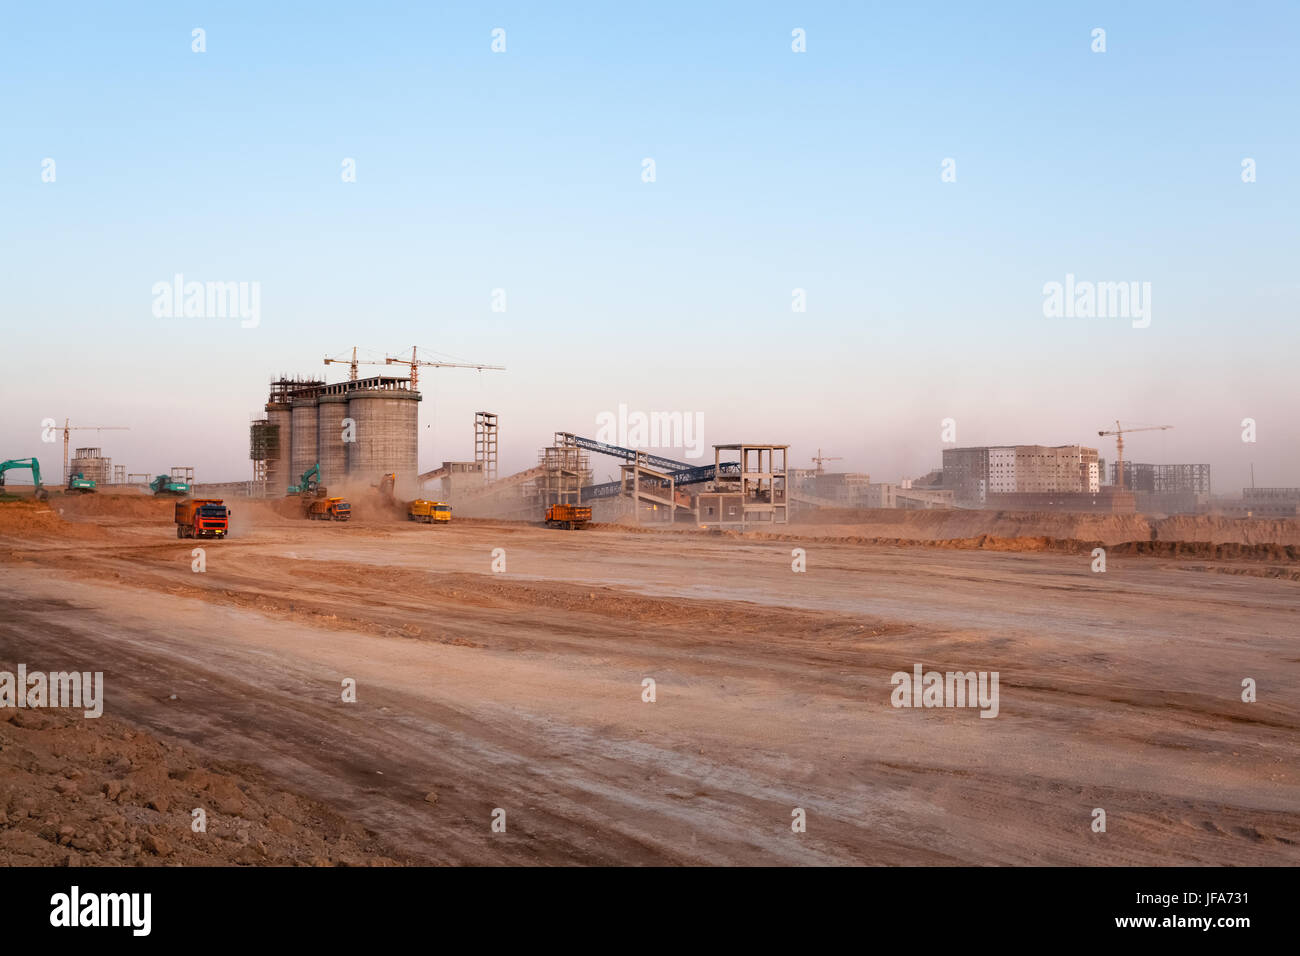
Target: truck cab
202	518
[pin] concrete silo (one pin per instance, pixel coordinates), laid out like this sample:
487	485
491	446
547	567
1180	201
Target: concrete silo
91	463
272	443
302	445
331	409
386	413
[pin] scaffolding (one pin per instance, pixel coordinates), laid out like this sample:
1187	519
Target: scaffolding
91	463
565	469
485	443
756	494
654	494
263	448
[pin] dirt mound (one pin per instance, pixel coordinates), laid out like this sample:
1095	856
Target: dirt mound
1284	554
1103	529
32	519
134	506
95	792
19	517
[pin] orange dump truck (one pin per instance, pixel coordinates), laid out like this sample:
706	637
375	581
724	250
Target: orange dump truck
572	517
202	518
329	509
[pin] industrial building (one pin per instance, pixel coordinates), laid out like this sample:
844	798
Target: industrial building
1264	503
751	490
1162	479
357	430
817	488
906	496
1163	489
988	475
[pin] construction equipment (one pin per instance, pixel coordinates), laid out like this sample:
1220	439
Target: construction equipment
572	517
1119	432
681	472
415	364
430	512
386	485
165	485
329	509
202	518
352	363
80	484
819	458
309	484
28	463
84	428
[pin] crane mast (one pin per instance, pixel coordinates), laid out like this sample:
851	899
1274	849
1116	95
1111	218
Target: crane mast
74	428
1119	431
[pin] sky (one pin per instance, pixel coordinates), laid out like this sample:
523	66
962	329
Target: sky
524	171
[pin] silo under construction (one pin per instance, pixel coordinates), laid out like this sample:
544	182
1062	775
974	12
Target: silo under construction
277	446
90	463
386	416
304	425
331	409
270	438
303	453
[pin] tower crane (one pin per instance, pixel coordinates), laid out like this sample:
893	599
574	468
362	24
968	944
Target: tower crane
352	363
819	458
1119	431
415	362
74	428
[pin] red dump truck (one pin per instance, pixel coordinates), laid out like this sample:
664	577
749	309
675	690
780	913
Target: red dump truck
202	518
572	517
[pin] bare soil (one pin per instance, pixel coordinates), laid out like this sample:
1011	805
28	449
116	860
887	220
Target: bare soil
522	691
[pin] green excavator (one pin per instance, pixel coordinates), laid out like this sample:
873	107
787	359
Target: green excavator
167	485
80	484
309	484
28	463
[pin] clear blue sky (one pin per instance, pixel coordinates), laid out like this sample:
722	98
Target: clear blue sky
775	171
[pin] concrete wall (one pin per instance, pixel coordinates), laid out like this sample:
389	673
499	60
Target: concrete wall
386	437
277	469
303	452
1002	470
331	449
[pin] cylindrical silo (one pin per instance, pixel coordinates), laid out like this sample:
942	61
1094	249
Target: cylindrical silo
277	468
90	463
387	422
302	444
330	412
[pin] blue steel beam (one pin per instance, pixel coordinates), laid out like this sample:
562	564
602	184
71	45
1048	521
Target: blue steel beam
683	476
657	462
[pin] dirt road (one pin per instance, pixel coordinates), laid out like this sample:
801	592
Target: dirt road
522	689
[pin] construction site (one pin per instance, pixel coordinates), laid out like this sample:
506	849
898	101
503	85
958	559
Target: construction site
654	668
363	433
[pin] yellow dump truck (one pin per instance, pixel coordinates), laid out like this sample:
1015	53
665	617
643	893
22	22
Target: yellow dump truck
329	509
430	512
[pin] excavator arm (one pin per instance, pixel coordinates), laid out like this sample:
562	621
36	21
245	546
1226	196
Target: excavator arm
30	464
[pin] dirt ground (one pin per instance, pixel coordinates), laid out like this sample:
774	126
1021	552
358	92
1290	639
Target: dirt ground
521	691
